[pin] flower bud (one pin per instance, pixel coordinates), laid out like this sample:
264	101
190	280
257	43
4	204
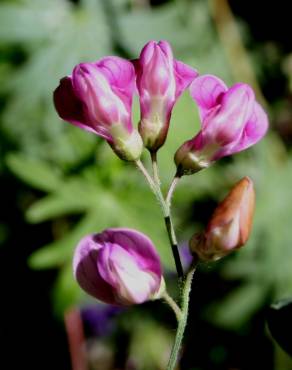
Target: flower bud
231	121
160	81
119	266
98	98
230	225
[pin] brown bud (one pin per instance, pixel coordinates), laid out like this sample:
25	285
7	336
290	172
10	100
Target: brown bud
230	225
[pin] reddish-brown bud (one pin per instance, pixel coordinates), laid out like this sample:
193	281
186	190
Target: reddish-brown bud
230	225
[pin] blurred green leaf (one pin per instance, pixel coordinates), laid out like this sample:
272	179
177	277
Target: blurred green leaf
19	21
150	345
74	196
237	307
38	174
59	252
66	292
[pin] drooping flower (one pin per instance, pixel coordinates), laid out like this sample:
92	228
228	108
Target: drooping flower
230	225
97	97
160	81
119	266
231	121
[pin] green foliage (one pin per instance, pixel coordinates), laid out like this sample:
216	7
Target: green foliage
36	173
145	340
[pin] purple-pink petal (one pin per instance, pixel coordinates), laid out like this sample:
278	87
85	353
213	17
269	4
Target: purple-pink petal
255	129
184	75
98	96
118	266
68	106
231	121
166	49
207	92
121	76
86	271
136	243
226	122
147	52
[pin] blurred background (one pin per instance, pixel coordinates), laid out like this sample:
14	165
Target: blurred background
59	183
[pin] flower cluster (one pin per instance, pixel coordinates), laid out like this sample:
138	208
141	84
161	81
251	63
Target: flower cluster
120	266
98	97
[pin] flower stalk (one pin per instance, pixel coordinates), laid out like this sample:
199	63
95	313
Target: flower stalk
173	305
185	300
154	184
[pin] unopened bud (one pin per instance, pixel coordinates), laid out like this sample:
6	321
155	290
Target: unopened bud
160	81
230	225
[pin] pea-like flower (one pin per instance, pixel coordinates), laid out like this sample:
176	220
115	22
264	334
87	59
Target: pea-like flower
98	97
231	120
230	225
119	266
160	81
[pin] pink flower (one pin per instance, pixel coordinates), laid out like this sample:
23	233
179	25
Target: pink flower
231	119
118	266
98	98
230	225
160	81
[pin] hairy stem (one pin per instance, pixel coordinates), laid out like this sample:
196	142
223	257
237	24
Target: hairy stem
171	302
155	168
145	173
183	321
171	190
167	215
174	247
155	187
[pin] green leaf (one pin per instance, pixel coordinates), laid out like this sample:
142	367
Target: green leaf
150	342
35	173
60	252
73	196
66	292
237	307
19	22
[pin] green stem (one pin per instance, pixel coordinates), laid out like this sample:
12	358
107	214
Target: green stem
171	302
170	228
167	215
145	173
171	191
155	168
155	187
183	321
174	247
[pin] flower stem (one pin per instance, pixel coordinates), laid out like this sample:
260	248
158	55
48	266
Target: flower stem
183	320
171	190
171	302
145	173
155	187
167	215
174	247
170	228
155	168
